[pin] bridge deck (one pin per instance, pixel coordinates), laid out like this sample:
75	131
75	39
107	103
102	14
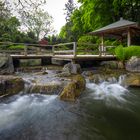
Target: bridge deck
32	56
67	57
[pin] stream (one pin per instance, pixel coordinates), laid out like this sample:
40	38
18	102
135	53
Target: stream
105	111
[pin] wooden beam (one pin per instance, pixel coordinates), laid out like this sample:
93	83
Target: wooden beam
74	49
128	37
25	50
102	45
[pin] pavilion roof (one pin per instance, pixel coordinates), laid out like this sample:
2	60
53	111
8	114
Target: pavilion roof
118	26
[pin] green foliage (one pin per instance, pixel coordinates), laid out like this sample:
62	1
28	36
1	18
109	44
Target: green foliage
12	47
120	54
132	51
87	39
85	45
125	53
38	22
16	47
69	7
94	14
112	43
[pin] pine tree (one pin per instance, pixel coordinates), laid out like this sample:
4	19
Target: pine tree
69	7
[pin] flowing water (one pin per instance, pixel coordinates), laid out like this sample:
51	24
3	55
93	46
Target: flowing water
107	111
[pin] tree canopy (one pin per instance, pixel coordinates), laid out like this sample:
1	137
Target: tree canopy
24	21
94	14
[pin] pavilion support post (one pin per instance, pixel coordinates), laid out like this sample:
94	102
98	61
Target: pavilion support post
74	49
101	49
128	37
25	50
53	50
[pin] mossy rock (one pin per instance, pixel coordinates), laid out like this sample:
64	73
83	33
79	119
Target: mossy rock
10	85
48	89
73	89
133	80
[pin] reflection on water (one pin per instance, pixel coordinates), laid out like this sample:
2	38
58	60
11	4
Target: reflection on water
104	112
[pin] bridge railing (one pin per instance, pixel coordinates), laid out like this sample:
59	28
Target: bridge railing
71	48
65	49
25	49
74	49
93	49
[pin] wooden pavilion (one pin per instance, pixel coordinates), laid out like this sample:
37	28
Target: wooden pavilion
120	29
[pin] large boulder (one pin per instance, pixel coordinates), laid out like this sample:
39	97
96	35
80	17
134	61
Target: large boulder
47	88
10	85
112	64
133	65
73	89
132	80
6	64
109	64
70	68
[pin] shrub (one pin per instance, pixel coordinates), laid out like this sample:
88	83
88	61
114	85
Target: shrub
125	53
119	52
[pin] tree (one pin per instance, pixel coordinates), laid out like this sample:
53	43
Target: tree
8	24
39	22
69	7
66	31
4	11
95	14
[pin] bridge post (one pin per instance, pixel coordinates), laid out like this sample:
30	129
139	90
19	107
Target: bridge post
25	50
74	49
101	47
53	49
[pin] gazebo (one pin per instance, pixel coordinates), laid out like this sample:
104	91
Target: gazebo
120	29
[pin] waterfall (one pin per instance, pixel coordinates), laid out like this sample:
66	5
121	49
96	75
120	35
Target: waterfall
109	90
28	85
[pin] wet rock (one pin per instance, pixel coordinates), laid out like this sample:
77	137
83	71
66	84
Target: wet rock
133	65
47	88
88	73
97	78
63	74
110	64
121	65
132	80
70	69
6	64
41	73
73	89
10	85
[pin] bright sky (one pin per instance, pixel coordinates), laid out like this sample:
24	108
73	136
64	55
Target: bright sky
56	9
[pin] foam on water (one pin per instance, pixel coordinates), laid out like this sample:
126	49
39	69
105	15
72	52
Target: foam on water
14	112
108	91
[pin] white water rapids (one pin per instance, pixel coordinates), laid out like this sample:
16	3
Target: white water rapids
45	117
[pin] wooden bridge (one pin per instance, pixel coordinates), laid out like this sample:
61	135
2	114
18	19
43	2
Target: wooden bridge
61	52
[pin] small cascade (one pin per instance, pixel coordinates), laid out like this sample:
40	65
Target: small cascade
109	90
121	80
43	84
28	85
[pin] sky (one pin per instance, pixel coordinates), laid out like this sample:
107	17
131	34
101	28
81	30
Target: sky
56	9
